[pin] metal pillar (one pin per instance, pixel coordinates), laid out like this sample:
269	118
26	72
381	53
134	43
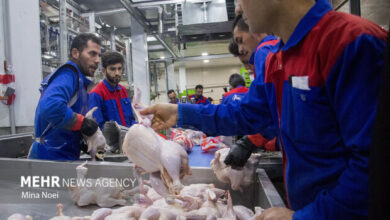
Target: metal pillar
26	63
354	7
171	76
47	37
129	68
204	12
112	39
160	20
91	18
3	53
140	62
155	78
63	32
166	75
2	37
182	78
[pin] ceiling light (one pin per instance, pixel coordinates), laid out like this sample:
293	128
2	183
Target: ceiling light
205	54
206	61
162	57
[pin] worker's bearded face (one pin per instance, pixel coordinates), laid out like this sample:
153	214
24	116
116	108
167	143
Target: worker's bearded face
88	59
172	97
198	93
113	73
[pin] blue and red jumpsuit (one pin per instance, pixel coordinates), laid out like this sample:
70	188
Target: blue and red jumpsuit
235	94
320	91
113	104
201	100
59	114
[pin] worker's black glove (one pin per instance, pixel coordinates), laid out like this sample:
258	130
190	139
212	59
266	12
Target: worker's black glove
239	153
88	127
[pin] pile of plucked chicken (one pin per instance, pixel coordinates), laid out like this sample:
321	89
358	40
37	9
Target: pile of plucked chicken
162	197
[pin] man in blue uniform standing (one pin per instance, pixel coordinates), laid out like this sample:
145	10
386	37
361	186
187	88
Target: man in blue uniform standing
237	91
172	97
59	117
109	96
198	98
322	89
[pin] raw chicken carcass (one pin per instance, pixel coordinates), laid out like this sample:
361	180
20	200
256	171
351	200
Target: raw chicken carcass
95	193
229	213
101	214
242	212
258	211
236	178
153	153
95	142
18	216
126	213
60	215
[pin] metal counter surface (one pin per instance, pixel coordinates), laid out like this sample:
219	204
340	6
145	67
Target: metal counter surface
261	193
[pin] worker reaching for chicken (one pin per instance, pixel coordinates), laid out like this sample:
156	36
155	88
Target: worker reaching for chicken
320	91
59	118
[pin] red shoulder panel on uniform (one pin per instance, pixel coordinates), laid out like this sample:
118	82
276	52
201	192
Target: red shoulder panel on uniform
237	90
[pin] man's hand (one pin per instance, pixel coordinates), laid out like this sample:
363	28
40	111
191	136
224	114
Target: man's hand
276	213
239	153
165	115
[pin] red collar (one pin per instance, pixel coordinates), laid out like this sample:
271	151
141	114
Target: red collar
240	89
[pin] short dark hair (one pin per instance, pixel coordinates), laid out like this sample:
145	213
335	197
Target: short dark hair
80	41
170	91
236	80
240	23
198	87
233	48
111	57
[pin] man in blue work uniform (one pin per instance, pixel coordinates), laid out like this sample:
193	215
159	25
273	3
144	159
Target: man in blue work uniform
238	89
198	98
249	46
59	117
172	97
109	96
322	88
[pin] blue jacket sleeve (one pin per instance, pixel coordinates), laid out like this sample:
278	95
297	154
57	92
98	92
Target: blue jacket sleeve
207	102
53	104
250	116
132	118
353	86
95	100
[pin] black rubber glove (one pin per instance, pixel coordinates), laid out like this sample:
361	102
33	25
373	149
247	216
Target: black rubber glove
239	153
88	127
